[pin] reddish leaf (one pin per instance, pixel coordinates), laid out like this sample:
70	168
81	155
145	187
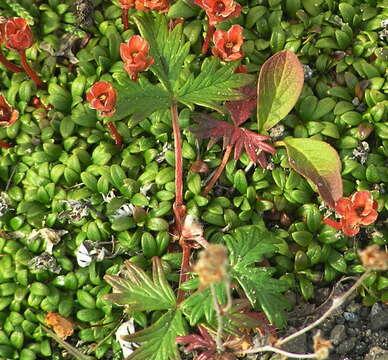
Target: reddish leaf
203	341
254	144
318	162
242	110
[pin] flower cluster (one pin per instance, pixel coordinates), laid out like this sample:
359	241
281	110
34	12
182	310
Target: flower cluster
219	10
227	44
102	97
354	211
16	34
135	56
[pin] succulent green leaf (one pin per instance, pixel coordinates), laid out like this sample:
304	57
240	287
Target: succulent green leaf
168	48
158	340
318	162
247	245
215	83
139	292
280	84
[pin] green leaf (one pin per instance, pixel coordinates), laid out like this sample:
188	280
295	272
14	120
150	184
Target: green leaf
199	306
158	340
280	84
247	245
139	292
215	83
168	48
318	162
139	99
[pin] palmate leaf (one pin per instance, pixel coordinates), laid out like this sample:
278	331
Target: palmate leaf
158	340
247	245
199	306
168	48
215	83
139	99
139	292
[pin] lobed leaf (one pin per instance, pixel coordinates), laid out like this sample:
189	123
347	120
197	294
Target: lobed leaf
139	99
318	162
280	84
158	340
168	48
247	245
139	292
214	84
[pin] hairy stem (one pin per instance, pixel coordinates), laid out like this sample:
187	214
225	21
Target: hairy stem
279	351
10	66
206	42
219	170
31	73
337	302
220	320
125	19
115	134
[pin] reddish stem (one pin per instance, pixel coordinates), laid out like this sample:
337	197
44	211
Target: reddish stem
125	19
206	42
4	145
28	69
219	170
115	134
8	64
185	268
179	208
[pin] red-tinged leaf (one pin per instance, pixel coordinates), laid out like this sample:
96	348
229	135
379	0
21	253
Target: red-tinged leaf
318	162
195	341
280	84
241	110
254	144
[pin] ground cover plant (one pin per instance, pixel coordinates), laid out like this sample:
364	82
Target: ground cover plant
130	230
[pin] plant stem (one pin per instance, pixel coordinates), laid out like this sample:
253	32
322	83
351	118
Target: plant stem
115	134
185	266
4	145
28	69
279	351
125	19
219	170
206	42
219	312
8	64
337	302
179	208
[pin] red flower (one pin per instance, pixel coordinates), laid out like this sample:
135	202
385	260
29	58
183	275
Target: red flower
18	35
227	44
135	55
359	209
8	114
148	5
219	10
102	97
127	4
